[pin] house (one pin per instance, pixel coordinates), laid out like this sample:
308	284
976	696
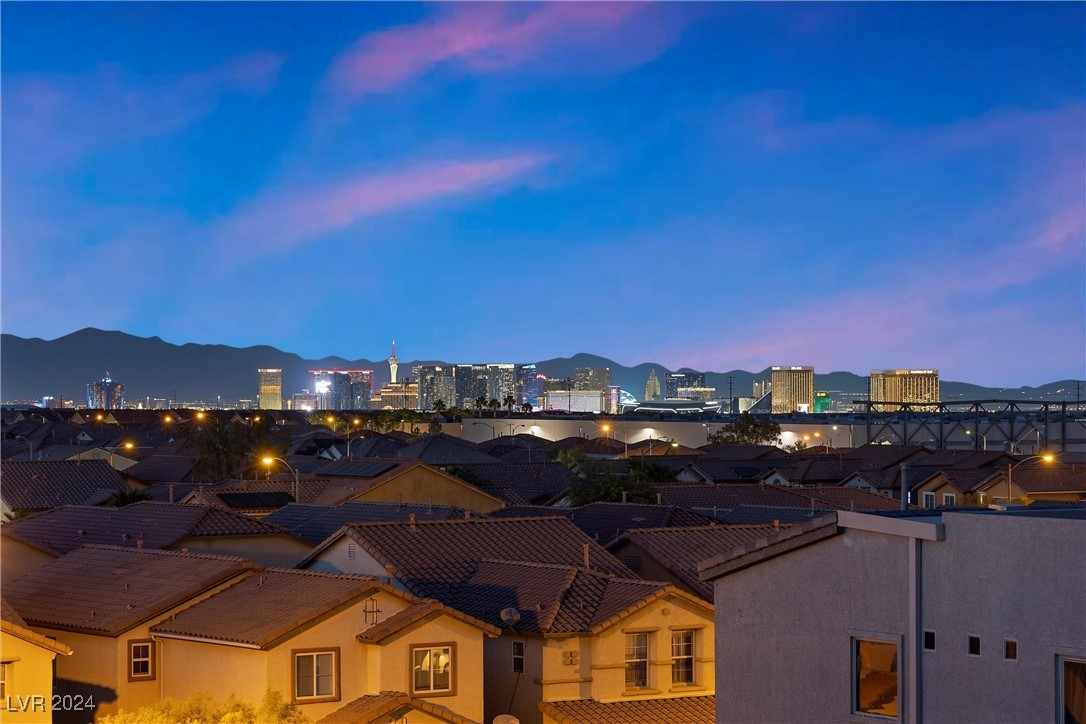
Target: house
1042	481
518	483
26	668
326	642
33	541
314	523
673	554
101	602
972	615
604	522
27	487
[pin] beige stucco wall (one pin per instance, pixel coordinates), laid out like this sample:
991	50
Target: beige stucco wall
424	485
17	559
29	680
651	569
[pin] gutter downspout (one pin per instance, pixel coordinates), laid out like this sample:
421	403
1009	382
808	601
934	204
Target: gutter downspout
914	645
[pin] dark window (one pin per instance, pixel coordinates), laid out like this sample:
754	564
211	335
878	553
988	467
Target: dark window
929	640
1074	691
1010	650
633	563
518	657
974	645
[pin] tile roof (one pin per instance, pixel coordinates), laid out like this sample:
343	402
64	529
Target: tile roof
108	590
13	624
442	449
604	522
745	452
591	446
266	606
764	514
47	484
1048	478
662	449
356	468
432	557
848	498
146	523
373	446
965	480
963	459
314	523
719	470
686	709
729	496
8	613
680	550
518	482
552	598
388	706
818	469
423	608
163	469
755	552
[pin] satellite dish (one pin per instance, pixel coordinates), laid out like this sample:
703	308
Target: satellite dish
510	616
506	718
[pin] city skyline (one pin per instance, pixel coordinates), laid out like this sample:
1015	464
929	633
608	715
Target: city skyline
926	204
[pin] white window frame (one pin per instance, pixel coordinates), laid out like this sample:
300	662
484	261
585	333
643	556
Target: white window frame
450	650
675	658
316	695
878	638
5	680
633	637
149	658
929	496
949	500
518	657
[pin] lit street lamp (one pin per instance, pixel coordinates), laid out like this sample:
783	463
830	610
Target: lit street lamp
269	460
983	440
127	446
1048	457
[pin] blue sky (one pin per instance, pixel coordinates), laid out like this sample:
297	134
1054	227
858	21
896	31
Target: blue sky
719	186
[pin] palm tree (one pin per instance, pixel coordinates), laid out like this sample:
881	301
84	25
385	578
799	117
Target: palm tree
494	406
439	406
480	403
526	408
510	402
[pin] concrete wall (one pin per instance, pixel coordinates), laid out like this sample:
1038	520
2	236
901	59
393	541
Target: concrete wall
783	627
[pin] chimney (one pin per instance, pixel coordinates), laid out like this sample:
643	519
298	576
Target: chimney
139	543
904	486
659	498
171	492
586	549
430	503
776	525
389	570
467	515
623	496
260	581
399	500
412	519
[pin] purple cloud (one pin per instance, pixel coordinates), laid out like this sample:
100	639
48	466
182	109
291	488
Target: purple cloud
495	37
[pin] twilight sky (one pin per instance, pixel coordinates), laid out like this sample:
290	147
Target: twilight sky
709	185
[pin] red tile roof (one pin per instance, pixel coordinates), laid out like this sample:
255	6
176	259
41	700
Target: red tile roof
685	709
388	706
13	624
109	590
45	484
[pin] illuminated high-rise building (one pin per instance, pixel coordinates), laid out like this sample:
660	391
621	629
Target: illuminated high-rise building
591	378
361	388
914	386
793	389
105	394
342	389
674	381
270	388
527	385
652	387
436	383
471	384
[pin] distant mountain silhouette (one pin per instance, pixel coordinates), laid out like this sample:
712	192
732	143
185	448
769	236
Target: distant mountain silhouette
151	367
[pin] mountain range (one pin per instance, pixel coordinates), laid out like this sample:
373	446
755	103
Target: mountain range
151	367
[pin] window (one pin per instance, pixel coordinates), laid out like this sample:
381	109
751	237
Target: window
929	640
570	658
5	669
875	683
316	675
141	660
351	550
432	669
949	500
1073	691
974	645
682	657
637	661
371	611
633	563
1010	649
929	500
518	657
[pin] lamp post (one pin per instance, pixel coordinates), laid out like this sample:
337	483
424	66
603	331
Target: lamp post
127	446
352	439
1048	457
493	432
983	440
513	428
517	439
28	444
269	460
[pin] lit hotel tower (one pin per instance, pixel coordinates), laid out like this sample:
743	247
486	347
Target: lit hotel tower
393	362
793	389
904	386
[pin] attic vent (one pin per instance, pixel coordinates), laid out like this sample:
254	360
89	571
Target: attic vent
633	563
351	551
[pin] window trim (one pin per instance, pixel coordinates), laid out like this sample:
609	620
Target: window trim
151	653
453	664
878	638
1061	694
519	656
693	657
6	669
315	699
949	500
626	661
926	498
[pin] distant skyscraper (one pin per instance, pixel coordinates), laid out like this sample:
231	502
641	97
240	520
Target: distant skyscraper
361	388
342	389
793	389
501	381
305	401
822	402
674	381
471	384
652	387
527	385
903	386
436	383
761	388
393	362
105	394
591	378
270	388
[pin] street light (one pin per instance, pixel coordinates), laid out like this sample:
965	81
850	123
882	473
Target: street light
1047	457
493	432
269	460
513	428
983	439
127	446
28	444
350	440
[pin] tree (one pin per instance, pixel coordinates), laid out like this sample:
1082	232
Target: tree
605	482
510	402
571	456
435	426
526	408
202	709
121	498
439	406
480	403
747	430
494	406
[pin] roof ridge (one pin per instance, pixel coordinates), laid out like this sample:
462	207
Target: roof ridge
373	524
161	552
322	574
711	526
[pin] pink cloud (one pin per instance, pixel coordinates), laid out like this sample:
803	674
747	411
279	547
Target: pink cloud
54	119
284	219
495	37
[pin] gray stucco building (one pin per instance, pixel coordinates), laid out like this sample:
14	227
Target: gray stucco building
971	616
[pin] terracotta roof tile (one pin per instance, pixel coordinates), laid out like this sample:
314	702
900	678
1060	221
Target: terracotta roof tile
518	482
314	523
422	609
686	709
108	590
604	522
45	484
388	706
